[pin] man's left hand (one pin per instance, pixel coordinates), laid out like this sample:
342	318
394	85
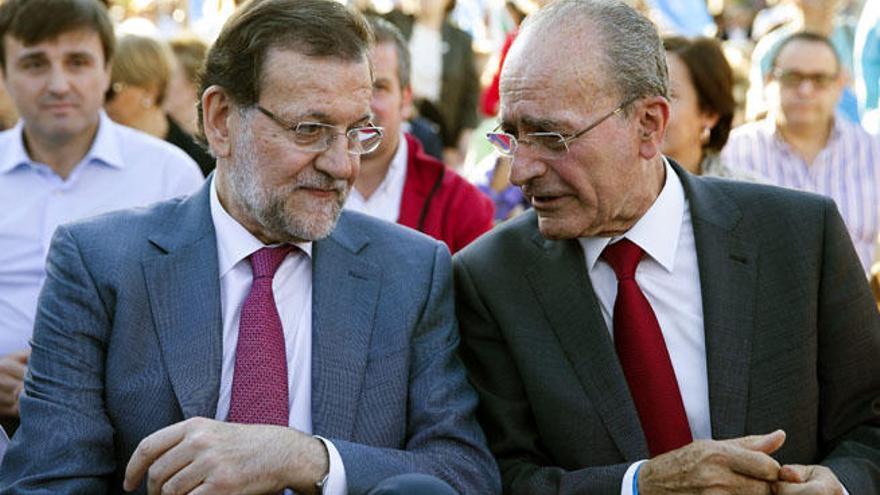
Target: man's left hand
204	456
795	479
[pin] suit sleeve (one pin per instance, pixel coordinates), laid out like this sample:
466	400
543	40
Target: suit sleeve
505	413
848	364
443	437
65	441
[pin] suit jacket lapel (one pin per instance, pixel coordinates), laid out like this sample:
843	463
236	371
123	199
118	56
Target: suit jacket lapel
728	274
573	311
183	284
345	293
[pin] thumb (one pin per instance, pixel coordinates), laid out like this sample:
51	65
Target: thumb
794	473
767	443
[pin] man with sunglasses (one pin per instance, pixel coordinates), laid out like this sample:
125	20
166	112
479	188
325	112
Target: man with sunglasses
253	338
803	143
643	330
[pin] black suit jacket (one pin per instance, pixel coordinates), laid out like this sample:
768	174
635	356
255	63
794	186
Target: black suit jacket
792	342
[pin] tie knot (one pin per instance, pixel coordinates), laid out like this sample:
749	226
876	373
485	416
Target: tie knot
624	257
266	261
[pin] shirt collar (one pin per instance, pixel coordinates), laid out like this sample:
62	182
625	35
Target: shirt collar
105	147
656	232
397	167
234	242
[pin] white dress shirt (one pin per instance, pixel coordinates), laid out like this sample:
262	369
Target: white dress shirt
385	201
292	288
426	73
670	279
123	168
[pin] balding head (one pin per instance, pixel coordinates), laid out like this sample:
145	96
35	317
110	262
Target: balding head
575	35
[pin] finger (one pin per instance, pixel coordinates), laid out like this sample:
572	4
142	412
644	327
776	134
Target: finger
167	467
150	449
12	368
749	486
767	443
753	464
785	488
794	473
187	480
21	356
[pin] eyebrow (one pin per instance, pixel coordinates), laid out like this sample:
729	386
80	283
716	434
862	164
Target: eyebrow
542	123
322	117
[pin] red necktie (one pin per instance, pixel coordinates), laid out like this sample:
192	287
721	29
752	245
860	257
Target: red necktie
259	381
643	356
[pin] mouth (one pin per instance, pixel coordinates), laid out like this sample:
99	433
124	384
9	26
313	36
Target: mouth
321	193
540	201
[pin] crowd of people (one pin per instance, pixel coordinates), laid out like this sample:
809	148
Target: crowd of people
321	254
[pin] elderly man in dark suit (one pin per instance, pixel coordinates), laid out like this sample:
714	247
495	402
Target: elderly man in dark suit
645	330
250	338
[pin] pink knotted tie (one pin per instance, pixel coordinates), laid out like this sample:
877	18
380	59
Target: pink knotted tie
259	382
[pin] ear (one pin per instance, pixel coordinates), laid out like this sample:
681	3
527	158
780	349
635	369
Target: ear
216	108
653	116
406	103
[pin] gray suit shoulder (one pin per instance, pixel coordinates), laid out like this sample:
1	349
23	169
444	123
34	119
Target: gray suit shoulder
386	237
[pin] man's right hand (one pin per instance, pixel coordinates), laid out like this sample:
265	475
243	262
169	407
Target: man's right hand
737	466
12	369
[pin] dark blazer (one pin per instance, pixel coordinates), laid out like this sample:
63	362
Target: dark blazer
792	342
128	340
460	87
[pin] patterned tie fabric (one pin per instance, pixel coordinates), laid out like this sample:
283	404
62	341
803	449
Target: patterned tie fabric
644	357
259	381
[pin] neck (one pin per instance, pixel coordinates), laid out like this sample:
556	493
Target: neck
374	168
640	199
806	140
690	159
432	20
61	154
153	122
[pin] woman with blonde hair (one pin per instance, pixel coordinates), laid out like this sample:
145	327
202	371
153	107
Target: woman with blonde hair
139	83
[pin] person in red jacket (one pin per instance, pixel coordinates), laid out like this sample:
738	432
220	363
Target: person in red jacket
399	182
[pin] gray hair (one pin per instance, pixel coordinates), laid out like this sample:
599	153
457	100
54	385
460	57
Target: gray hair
633	54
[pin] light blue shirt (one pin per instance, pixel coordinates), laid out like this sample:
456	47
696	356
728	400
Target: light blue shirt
124	168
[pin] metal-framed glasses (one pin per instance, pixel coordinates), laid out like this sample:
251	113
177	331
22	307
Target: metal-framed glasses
317	137
548	143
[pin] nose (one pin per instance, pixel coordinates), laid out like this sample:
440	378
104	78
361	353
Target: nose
807	86
336	161
525	166
58	81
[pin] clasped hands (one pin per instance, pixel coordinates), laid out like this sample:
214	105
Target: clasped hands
737	466
205	456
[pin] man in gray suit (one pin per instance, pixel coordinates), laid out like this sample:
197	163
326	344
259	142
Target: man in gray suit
643	330
243	340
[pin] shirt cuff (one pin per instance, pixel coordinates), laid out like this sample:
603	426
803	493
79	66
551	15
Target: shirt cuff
626	486
336	482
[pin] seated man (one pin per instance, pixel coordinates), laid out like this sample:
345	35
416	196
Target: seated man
202	345
644	329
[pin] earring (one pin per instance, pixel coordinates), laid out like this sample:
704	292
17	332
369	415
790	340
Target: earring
705	135
147	102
